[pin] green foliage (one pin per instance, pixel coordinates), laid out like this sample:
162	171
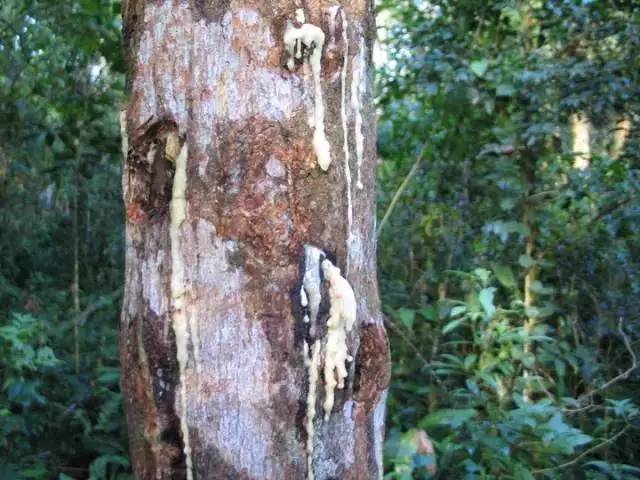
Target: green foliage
509	276
60	86
492	431
403	451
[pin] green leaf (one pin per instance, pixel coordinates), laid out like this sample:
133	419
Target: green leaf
457	310
9	472
504	229
407	317
505	90
479	67
400	445
453	418
522	473
526	261
99	467
449	327
528	360
630	469
430	313
601	466
483	274
541	289
486	300
469	361
507	203
546	310
579	439
505	276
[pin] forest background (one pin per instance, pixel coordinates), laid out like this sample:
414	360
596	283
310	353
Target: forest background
508	225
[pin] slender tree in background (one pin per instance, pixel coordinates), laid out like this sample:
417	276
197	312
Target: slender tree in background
252	342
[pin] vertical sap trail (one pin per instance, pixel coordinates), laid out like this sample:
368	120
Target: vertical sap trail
124	137
358	89
320	142
178	212
310	299
311	283
345	133
312	362
312	37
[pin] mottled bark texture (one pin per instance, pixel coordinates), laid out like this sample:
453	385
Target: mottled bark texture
209	79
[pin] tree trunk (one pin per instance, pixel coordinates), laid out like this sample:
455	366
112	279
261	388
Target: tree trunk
249	177
581	141
620	134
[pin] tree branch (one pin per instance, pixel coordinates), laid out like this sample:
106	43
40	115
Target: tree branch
623	376
587	452
610	209
403	336
401	189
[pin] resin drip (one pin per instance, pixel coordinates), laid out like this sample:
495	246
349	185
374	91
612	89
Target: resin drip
312	38
345	131
178	212
342	317
358	89
312	362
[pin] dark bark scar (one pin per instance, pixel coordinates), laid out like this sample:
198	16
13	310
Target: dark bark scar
373	366
150	167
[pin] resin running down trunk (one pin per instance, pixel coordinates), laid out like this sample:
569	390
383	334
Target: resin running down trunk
252	343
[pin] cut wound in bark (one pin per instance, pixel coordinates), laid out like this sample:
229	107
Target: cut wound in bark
149	170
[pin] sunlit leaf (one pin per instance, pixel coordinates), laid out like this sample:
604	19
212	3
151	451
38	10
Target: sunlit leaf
407	317
479	67
486	299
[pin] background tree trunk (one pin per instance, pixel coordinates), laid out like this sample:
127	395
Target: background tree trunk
581	141
223	192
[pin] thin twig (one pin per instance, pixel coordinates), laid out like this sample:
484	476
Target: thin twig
626	373
610	209
587	452
623	376
396	329
534	197
82	317
401	188
407	340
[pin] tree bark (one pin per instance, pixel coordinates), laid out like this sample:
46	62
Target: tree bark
581	141
230	218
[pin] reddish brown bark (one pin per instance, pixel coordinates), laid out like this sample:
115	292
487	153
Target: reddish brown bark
211	75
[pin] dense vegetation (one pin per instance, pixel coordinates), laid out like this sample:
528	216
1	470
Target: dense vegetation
509	260
61	240
509	267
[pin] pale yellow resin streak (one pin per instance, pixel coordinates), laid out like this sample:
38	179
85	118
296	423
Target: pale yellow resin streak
312	37
178	212
342	318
